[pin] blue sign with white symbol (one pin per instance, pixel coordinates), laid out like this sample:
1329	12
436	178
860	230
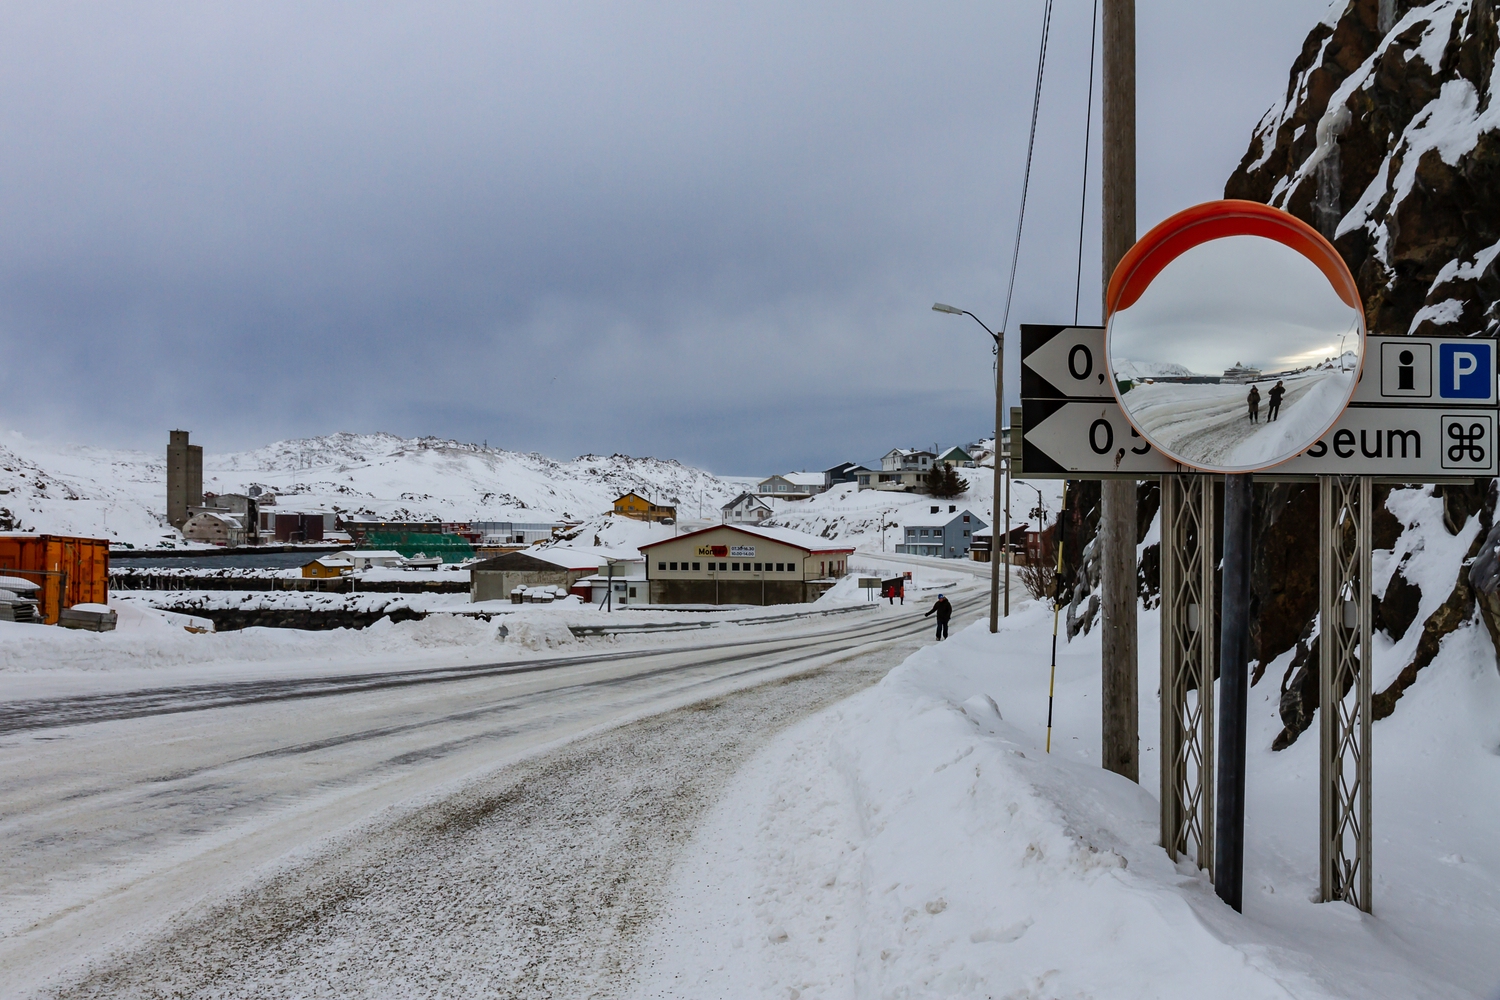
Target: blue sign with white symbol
1466	370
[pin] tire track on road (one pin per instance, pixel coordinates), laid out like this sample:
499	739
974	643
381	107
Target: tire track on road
533	882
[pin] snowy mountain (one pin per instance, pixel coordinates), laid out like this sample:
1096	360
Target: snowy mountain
121	495
1138	370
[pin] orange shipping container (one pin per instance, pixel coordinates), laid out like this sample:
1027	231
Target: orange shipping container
70	570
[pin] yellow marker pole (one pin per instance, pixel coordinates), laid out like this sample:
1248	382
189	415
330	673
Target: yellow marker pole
1062	521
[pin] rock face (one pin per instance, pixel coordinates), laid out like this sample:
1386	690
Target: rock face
1388	140
1391	139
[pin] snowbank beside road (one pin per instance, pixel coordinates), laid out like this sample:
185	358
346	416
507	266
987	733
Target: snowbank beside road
914	842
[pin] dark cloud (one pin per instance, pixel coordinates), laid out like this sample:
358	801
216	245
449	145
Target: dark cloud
710	232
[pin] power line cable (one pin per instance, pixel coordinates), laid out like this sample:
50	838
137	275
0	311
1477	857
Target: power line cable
1088	122
1036	101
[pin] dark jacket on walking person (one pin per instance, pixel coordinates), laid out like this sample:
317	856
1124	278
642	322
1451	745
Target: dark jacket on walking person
1277	391
1254	400
944	611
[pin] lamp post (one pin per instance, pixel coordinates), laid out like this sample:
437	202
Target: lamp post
999	339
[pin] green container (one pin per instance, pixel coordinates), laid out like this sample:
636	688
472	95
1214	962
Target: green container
449	548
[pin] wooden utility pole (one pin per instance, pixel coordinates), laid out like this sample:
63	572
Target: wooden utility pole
1117	516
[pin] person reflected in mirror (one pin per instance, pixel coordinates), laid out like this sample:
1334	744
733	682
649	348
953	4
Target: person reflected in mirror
944	611
1273	402
1254	400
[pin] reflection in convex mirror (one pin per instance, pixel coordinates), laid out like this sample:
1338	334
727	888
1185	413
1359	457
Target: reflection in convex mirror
1235	337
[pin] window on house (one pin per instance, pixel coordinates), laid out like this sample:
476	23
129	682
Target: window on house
966	519
934	510
966	535
632	591
662	565
952	509
757	567
695	565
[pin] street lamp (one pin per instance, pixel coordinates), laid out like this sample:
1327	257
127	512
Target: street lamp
999	339
1040	510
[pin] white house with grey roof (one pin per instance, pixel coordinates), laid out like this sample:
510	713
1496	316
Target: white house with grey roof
747	508
946	532
793	485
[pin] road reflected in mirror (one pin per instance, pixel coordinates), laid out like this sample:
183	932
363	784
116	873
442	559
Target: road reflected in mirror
1238	355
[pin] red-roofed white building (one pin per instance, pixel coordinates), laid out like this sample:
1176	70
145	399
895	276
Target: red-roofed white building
734	564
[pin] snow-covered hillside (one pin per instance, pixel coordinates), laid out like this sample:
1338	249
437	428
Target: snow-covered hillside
121	495
850	515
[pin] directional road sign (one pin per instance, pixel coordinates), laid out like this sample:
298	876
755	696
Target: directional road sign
1424	409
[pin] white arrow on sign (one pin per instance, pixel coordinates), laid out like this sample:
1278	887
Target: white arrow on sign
1080	438
1070	360
1398	370
1416	443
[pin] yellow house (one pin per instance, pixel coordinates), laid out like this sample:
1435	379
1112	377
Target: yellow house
634	505
327	568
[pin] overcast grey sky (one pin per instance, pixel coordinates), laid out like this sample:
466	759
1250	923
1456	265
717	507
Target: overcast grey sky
704	231
1275	311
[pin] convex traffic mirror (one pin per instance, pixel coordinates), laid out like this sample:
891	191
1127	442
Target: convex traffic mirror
1235	336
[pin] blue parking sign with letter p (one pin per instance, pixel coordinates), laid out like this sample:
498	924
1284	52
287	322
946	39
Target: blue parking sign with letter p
1466	370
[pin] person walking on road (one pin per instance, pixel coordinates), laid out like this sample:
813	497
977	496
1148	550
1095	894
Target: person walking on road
1254	400
1274	409
944	611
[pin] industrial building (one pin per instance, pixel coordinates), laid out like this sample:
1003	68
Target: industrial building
496	534
360	528
217	527
244	508
734	564
184	477
494	579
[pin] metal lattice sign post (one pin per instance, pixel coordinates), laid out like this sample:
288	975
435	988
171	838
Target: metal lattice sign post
1187	668
1345	512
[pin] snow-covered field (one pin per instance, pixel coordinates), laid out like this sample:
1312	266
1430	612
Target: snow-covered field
916	840
1209	424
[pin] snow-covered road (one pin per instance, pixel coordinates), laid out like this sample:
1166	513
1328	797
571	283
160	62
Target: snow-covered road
1210	424
514	819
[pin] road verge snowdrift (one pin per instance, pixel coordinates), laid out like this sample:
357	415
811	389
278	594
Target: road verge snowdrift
916	841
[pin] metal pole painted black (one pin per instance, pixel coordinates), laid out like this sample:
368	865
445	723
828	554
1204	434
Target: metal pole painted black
1057	598
1234	691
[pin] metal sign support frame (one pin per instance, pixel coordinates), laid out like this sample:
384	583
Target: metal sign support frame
1344	668
1188	647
